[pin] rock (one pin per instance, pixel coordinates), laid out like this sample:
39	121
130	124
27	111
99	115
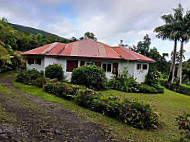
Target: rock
58	132
44	131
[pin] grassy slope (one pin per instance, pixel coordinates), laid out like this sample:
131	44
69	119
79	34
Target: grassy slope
169	104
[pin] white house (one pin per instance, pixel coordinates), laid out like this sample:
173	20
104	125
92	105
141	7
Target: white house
88	52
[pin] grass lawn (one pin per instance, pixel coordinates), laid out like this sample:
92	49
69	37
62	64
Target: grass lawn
169	105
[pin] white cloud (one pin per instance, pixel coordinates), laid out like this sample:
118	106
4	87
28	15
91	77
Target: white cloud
109	20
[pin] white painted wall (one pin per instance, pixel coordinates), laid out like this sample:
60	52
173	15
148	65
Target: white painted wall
140	74
131	66
35	66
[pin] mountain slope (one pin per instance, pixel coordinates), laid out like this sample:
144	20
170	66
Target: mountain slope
33	31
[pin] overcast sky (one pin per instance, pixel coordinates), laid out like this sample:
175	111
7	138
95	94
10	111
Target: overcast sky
109	20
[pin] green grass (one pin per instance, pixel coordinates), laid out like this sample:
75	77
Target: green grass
169	105
5	116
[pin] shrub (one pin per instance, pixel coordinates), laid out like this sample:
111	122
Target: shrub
91	76
138	114
163	82
60	89
88	99
133	112
123	82
54	71
184	89
184	125
153	76
40	81
144	88
28	77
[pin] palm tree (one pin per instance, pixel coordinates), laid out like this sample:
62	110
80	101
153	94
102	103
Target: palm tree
185	36
171	30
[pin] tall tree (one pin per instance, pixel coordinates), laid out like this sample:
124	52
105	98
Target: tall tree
90	35
171	30
185	35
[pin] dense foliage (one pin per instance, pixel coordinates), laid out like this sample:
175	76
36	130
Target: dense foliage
143	47
91	76
123	82
132	112
182	88
54	71
28	77
184	125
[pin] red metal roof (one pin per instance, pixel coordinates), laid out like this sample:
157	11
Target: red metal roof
128	54
87	48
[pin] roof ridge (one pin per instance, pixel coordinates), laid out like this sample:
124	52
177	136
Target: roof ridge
49	48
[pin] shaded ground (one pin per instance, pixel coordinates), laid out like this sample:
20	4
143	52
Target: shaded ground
26	118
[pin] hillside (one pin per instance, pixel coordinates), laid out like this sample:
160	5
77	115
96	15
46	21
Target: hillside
33	31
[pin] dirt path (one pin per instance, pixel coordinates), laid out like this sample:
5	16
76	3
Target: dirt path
33	119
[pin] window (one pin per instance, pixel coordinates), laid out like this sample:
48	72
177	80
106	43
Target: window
71	64
82	63
89	63
138	66
106	67
30	61
38	61
145	67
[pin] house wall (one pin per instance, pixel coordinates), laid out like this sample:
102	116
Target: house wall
131	66
140	74
35	66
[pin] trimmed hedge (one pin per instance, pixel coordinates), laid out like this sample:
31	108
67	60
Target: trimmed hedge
183	89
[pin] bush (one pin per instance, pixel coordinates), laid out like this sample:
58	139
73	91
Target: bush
54	71
153	77
28	77
61	89
184	125
144	88
91	76
40	81
123	83
133	112
184	89
88	99
138	114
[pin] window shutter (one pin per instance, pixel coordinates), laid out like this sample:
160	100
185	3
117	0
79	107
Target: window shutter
71	64
98	64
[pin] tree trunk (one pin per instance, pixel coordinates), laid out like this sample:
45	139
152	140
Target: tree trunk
179	71
172	67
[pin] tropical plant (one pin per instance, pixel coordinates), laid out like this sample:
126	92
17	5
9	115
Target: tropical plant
185	36
171	30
